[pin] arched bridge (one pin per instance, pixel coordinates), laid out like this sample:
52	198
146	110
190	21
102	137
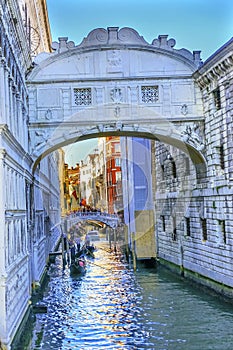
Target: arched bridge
110	220
115	83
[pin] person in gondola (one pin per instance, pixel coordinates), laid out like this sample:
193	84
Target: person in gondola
87	241
78	244
72	252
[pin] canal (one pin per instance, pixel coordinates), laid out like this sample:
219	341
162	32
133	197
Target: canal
113	307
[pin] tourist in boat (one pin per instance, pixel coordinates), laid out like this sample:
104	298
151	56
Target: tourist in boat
72	251
78	244
87	241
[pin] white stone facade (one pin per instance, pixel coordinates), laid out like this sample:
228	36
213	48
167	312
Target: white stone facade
29	203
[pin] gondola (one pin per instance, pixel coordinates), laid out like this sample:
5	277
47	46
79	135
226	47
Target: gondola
87	251
78	267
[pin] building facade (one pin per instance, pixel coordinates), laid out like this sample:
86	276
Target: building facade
113	174
194	220
29	202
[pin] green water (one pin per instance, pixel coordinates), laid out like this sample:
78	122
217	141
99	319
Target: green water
113	307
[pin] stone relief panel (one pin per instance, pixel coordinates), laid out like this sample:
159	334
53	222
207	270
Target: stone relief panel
193	134
114	61
38	138
116	95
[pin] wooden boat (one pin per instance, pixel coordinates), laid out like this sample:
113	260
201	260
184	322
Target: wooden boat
86	250
78	267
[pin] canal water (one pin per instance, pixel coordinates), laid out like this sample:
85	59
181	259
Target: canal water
114	307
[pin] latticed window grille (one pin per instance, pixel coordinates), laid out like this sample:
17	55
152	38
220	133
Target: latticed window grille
82	96
150	94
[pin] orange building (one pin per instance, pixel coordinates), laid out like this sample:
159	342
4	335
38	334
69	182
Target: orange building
113	172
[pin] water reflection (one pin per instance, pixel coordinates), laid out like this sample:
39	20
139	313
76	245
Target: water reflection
111	307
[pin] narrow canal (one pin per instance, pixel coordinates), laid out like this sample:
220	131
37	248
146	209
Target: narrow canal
113	307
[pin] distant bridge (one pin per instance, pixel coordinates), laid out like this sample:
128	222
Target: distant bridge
110	220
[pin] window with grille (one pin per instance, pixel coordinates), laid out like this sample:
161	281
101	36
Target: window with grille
150	94
82	96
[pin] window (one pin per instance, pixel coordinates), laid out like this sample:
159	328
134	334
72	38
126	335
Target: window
118	176
150	94
221	155
174	169
204	229
187	166
117	148
162	171
217	98
117	162
187	227
174	230
82	97
222	225
163	222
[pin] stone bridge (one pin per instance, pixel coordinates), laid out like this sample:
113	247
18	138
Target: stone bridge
115	83
105	218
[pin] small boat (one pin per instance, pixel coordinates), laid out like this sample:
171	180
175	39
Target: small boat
78	267
86	250
91	248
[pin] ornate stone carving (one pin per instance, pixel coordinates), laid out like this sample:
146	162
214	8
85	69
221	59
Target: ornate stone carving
184	109
39	138
112	36
116	95
48	114
63	45
191	135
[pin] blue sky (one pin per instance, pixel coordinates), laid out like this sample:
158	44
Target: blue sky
195	24
203	25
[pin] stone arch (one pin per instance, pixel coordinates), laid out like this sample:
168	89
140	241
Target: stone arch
80	127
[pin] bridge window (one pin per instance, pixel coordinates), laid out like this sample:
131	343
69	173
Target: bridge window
150	94
82	97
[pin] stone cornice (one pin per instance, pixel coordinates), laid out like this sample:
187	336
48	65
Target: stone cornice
114	38
217	65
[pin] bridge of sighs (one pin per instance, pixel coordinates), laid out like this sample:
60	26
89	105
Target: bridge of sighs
115	83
